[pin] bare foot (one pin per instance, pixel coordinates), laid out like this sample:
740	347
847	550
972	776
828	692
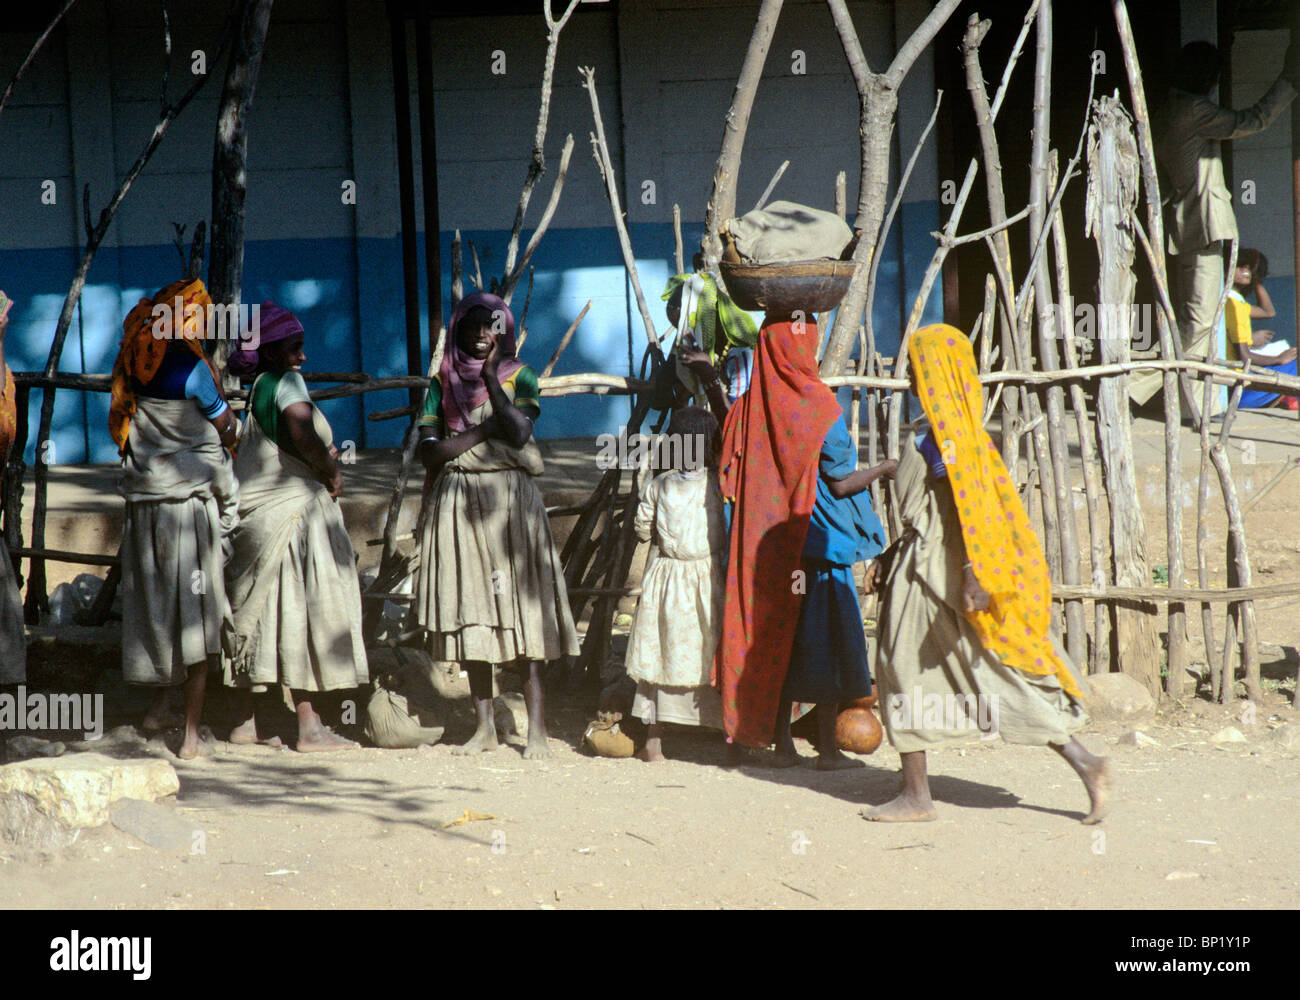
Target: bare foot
324	739
651	757
837	762
786	758
537	748
904	809
1097	779
200	744
482	740
244	734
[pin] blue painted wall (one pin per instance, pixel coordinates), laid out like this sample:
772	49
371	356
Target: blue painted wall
317	280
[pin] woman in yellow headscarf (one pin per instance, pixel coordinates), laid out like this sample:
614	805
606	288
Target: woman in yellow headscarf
965	643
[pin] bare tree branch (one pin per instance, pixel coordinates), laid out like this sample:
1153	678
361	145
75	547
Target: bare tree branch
537	166
31	55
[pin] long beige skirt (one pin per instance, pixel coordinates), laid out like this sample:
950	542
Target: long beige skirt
308	633
173	589
490	586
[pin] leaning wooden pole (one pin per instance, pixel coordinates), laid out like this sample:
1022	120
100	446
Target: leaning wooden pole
1093	495
1076	636
999	243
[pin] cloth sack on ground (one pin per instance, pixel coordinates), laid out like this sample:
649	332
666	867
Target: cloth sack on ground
402	714
784	231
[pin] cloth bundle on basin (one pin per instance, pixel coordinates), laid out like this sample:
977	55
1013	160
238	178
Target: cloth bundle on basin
785	231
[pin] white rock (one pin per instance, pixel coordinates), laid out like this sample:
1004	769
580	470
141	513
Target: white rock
1119	698
1137	738
77	790
1287	736
1229	734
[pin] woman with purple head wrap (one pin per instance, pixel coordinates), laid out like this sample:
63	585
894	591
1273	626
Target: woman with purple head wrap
490	587
292	575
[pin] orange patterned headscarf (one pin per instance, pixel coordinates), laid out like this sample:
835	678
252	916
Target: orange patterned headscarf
1004	552
144	346
8	417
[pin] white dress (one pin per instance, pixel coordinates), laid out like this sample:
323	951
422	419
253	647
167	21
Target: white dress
679	618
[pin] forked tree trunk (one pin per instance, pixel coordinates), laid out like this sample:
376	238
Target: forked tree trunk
1112	193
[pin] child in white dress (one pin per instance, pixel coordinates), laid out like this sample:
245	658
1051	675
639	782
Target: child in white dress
678	620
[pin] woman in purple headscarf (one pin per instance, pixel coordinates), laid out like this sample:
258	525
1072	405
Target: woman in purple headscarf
292	576
490	587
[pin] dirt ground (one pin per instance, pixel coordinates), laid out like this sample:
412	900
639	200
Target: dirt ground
1194	825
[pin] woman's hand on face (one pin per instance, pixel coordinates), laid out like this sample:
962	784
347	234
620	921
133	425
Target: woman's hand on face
492	363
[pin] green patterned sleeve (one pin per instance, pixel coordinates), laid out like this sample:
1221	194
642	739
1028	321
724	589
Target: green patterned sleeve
528	396
432	415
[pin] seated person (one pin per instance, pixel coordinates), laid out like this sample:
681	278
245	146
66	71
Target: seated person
1259	345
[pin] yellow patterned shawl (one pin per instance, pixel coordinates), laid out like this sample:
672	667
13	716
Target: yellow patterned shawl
1005	553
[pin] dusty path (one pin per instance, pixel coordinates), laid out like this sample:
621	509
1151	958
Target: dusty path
1195	826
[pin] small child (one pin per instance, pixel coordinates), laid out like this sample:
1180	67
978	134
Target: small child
679	617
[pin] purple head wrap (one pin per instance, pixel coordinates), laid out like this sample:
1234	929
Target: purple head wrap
463	389
274	323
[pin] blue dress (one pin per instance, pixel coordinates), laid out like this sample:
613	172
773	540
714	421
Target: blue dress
828	662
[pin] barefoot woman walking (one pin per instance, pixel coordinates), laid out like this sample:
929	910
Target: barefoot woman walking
965	604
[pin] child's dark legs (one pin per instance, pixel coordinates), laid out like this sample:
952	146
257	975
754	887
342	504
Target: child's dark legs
480	689
1095	772
654	744
913	804
160	715
829	756
313	734
785	752
195	686
535	700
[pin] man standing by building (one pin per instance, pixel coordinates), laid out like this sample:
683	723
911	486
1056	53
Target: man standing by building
1200	220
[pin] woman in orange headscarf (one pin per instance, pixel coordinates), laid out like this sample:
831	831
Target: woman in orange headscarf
965	642
173	426
13	641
